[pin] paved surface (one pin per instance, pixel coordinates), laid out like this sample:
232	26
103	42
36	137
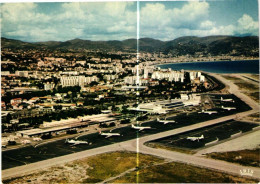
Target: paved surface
197	161
234	90
132	146
248	141
137	145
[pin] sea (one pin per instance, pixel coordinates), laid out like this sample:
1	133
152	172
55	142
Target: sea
245	66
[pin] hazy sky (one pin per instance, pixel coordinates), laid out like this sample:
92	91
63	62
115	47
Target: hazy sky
164	20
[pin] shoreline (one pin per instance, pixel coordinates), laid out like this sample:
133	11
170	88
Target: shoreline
178	62
206	71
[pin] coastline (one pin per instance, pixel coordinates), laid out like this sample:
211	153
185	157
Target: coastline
218	69
182	62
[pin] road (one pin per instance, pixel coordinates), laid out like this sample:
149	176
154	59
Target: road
137	145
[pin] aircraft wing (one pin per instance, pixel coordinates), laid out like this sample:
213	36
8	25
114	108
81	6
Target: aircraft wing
191	138
108	136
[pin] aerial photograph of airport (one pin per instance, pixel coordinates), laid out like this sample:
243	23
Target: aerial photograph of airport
130	92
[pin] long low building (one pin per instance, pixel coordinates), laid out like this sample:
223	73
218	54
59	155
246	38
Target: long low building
63	125
41	131
162	107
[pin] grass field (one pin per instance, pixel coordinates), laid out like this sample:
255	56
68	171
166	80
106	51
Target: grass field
256	115
90	170
151	169
254	96
243	157
242	84
246	86
108	165
180	173
231	78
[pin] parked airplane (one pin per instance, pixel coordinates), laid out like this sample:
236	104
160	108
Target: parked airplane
37	139
196	138
165	121
226	100
140	128
228	108
208	112
26	141
75	142
109	134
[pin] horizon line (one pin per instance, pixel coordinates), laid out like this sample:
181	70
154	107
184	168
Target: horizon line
130	38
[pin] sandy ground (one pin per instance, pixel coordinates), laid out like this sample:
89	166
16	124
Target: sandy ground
65	173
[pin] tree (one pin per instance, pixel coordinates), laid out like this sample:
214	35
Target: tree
93	83
57	107
8	118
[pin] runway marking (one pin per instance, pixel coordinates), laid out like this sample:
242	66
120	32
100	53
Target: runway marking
16	160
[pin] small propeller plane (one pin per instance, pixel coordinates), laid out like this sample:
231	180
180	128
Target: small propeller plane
208	112
196	138
228	108
166	121
75	142
226	100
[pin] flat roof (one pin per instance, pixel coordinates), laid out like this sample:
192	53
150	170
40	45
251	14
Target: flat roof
47	130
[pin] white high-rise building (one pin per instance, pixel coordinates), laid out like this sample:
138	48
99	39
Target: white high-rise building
202	78
79	80
169	75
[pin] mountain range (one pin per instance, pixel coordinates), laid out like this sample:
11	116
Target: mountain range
192	45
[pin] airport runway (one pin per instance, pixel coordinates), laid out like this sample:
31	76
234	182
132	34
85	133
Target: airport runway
233	89
133	145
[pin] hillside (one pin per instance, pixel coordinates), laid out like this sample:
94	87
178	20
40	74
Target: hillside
210	45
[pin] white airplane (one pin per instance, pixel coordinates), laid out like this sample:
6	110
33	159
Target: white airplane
196	138
140	128
228	108
227	100
109	134
75	142
37	139
26	141
208	112
165	121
